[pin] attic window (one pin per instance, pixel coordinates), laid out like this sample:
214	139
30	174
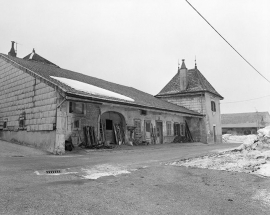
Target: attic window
213	106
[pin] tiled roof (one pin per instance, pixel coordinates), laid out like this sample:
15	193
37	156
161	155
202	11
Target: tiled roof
141	99
244	119
196	82
35	57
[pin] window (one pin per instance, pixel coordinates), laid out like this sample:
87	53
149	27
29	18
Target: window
169	128
5	123
109	124
76	107
77	123
176	128
22	121
182	129
143	112
147	127
213	106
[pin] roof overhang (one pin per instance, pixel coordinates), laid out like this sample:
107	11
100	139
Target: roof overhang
193	93
96	100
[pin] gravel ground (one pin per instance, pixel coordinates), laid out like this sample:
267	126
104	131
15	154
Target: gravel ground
148	186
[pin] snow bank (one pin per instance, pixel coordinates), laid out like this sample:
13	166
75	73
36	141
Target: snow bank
253	156
264	131
228	138
88	88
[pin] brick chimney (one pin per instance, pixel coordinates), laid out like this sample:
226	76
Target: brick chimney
183	76
12	50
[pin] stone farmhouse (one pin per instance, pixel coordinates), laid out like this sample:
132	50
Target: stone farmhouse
244	123
44	106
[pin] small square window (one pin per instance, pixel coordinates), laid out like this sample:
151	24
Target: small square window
76	107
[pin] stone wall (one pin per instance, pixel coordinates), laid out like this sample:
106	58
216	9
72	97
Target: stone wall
65	123
132	114
195	103
23	96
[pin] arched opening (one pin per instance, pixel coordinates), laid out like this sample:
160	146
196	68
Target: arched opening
113	125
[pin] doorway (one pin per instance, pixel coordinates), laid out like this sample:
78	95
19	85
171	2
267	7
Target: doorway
159	132
114	125
147	126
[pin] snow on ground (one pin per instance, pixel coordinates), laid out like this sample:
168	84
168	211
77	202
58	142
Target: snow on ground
103	170
228	138
253	156
88	88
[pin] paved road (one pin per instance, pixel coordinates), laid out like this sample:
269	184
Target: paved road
151	187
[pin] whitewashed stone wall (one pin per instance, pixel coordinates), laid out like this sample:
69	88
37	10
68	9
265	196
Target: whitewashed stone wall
195	103
20	94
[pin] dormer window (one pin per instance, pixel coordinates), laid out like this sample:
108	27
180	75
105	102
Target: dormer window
213	106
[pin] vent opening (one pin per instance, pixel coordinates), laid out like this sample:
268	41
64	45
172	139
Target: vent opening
53	171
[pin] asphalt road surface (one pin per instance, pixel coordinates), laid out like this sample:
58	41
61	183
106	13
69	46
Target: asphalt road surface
150	187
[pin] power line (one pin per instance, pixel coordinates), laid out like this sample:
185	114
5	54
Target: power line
245	100
228	43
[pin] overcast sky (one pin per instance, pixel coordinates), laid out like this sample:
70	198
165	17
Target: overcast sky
138	42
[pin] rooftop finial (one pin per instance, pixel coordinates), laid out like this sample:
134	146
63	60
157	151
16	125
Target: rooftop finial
183	66
178	64
34	51
195	63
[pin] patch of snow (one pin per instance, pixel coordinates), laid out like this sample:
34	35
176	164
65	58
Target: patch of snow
88	88
263	196
264	131
264	170
62	173
228	138
103	170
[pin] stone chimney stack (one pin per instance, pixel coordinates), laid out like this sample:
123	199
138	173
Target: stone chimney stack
12	51
183	76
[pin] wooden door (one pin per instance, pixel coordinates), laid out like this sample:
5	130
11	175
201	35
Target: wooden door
147	128
159	132
137	131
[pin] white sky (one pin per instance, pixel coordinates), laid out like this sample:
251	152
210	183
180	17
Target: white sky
138	42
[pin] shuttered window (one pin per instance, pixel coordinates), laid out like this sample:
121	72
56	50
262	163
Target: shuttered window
169	128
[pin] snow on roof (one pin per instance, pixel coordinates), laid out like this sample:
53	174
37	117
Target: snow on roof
88	88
